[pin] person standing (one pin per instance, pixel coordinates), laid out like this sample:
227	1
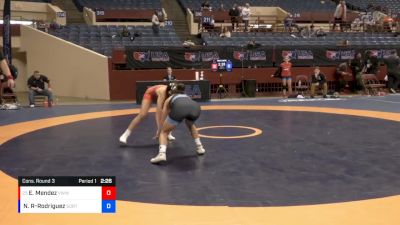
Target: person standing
178	107
285	73
155	22
357	66
234	14
340	15
246	16
155	94
36	85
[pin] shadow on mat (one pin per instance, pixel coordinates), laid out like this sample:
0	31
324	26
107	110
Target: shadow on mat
185	163
128	146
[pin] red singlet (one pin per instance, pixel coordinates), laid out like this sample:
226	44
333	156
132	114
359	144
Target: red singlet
286	69
151	93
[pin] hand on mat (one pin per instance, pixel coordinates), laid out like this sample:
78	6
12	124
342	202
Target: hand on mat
157	134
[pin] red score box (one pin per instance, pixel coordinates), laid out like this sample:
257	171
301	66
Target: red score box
108	193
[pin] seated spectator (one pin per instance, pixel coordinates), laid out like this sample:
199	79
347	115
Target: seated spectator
320	32
312	30
371	63
356	24
206	5
188	43
357	66
305	32
341	77
36	85
252	44
155	22
225	33
42	26
318	80
169	76
125	32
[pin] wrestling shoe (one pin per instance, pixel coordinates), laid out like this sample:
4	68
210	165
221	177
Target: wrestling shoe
170	137
159	158
200	150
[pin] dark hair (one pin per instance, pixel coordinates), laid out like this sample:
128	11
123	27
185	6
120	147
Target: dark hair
175	88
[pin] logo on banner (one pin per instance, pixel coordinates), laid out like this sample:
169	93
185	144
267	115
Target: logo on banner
304	54
192	56
141	56
257	55
387	52
333	55
239	55
347	54
375	52
291	54
159	56
209	56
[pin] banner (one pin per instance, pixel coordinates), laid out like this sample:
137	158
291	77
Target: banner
201	57
7	31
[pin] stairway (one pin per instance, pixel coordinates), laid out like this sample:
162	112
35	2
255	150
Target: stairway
73	14
176	14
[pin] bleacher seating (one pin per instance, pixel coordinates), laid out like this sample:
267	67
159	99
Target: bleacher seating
389	6
288	5
285	39
119	4
103	39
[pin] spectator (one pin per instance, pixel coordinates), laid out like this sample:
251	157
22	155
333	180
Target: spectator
155	22
285	73
36	85
221	7
169	76
252	44
188	43
246	16
341	74
42	26
320	32
6	79
340	15
125	32
206	5
312	30
234	13
357	66
371	63
225	33
305	32
288	22
318	80
393	69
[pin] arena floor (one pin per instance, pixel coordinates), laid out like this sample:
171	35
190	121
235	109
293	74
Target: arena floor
268	161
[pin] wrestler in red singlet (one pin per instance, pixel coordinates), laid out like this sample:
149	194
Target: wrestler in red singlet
151	93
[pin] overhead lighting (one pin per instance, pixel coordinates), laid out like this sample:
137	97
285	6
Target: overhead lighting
21	22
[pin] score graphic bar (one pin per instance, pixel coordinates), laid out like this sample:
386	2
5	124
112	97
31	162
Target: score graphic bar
66	194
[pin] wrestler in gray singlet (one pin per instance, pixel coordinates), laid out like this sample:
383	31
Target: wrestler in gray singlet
183	107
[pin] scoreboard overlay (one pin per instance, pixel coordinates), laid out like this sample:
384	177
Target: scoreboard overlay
66	194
